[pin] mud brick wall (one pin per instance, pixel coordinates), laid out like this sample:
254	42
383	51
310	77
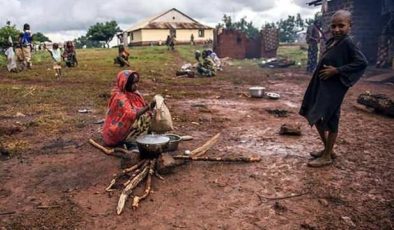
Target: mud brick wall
231	44
367	23
253	47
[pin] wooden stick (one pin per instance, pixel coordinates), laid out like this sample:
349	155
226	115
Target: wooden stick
136	172
102	148
159	176
48	207
137	199
134	167
226	159
7	213
282	197
204	148
113	152
124	172
108	189
128	190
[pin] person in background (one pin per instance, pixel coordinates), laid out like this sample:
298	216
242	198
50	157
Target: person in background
170	42
127	115
56	55
312	39
25	41
11	58
340	67
192	40
123	57
207	67
69	54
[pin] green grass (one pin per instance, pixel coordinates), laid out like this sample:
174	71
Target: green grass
294	53
51	104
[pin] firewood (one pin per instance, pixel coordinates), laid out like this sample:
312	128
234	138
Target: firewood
135	168
204	148
128	190
48	207
113	152
132	168
226	159
380	102
137	199
108	189
136	172
7	213
102	148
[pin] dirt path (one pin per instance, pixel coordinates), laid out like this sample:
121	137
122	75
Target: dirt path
356	192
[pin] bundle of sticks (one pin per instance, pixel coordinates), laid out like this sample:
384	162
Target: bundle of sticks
146	168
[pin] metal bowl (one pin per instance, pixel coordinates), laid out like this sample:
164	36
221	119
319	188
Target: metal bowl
257	91
174	142
152	145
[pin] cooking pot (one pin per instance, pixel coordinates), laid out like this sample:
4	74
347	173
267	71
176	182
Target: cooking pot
174	142
257	91
152	145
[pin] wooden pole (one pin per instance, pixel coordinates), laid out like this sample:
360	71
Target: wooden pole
225	159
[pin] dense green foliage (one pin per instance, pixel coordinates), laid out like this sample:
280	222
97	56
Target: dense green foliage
103	31
39	37
6	32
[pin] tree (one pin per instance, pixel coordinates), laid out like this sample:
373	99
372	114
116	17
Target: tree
242	25
8	31
103	32
39	37
289	28
84	41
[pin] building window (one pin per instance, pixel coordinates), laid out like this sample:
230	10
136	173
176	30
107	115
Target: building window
201	33
131	34
173	18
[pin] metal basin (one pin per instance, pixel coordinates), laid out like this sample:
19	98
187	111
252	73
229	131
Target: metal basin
174	142
152	145
257	91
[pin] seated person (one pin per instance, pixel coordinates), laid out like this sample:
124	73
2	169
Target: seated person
207	67
69	54
127	116
123	57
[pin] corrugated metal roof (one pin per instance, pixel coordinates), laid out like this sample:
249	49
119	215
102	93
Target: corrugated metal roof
315	3
174	25
149	24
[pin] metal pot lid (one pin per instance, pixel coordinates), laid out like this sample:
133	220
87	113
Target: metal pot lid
257	88
152	139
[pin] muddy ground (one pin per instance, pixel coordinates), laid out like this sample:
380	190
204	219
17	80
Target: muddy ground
356	192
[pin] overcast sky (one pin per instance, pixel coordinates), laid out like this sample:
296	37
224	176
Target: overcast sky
67	19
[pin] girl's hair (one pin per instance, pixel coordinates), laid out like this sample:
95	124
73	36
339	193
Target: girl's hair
55	45
343	13
121	49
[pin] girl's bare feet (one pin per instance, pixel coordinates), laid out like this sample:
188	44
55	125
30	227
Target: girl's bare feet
320	162
317	154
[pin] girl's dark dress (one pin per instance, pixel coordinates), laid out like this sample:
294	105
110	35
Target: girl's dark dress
323	98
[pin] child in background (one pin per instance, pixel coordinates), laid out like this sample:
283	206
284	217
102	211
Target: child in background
56	55
340	67
123	57
26	43
11	58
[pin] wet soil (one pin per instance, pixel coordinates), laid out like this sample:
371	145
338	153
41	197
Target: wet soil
280	192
